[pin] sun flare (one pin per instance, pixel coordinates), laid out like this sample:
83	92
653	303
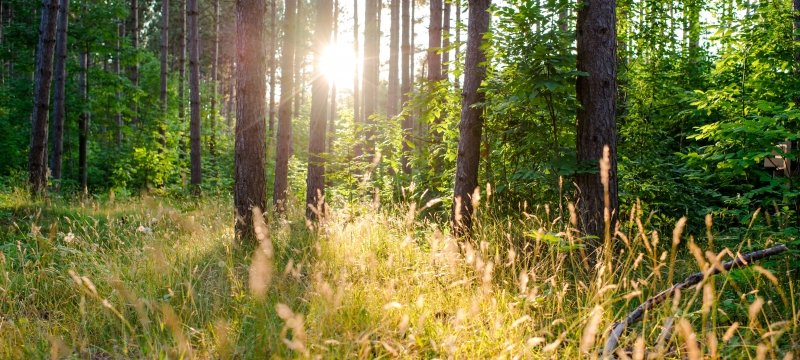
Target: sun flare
338	65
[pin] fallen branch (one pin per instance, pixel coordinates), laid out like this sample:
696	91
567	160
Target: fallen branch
694	279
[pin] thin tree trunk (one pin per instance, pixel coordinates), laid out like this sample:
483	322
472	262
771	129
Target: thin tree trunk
446	39
469	142
372	11
182	65
273	43
164	71
37	159
597	203
457	80
60	71
83	123
357	119
299	59
405	87
393	99
118	72
435	41
212	143
134	71
194	95
332	113
251	145
315	180
285	108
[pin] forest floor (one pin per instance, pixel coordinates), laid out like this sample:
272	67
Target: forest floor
162	278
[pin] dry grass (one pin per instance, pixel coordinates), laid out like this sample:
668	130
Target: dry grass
153	278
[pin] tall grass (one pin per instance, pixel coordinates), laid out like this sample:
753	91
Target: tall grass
160	278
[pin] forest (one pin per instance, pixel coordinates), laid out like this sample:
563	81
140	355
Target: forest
460	179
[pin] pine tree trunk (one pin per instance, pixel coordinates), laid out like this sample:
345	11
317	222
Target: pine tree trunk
332	113
134	71
357	118
372	10
37	159
118	71
299	59
596	55
60	72
405	87
457	80
251	145
212	142
393	98
470	127
194	96
273	43
182	64
164	71
285	108
435	41
446	39
83	123
315	179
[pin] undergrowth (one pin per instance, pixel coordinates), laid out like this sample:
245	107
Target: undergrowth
160	278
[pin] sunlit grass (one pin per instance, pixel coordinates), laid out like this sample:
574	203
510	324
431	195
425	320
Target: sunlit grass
152	277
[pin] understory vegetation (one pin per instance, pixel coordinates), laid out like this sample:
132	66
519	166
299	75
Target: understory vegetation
154	277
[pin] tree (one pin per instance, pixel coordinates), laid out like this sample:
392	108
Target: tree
333	104
405	87
60	72
435	42
164	70
597	201
182	64
273	50
37	158
315	179
212	142
134	70
372	10
284	144
356	75
194	95
446	39
118	71
393	98
83	122
251	146
470	127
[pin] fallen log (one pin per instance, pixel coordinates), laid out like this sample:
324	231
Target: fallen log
741	260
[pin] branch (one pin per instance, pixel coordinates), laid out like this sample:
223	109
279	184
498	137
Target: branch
694	279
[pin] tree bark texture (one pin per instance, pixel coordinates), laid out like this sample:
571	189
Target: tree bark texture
446	39
118	71
194	95
273	51
164	71
469	142
60	72
284	143
405	87
372	10
83	123
212	141
393	98
37	157
435	41
596	94
182	64
134	71
251	146
357	118
332	113
315	179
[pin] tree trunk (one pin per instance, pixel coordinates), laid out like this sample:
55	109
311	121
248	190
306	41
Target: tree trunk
597	203
393	99
83	123
469	142
164	71
182	65
251	145
457	80
435	42
134	71
405	87
372	11
37	159
212	142
315	180
285	108
357	119
273	44
118	72
60	73
332	113
446	39
299	59
194	95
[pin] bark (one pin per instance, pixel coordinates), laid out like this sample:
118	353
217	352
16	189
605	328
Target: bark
60	72
597	203
182	64
118	71
37	158
285	108
299	59
194	95
332	113
315	179
446	39
371	74
393	98
164	71
251	146
83	123
357	119
469	142
212	142
273	43
435	42
134	71
405	87
457	79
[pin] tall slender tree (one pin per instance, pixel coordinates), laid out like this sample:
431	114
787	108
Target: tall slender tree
60	72
471	125
37	157
212	142
435	41
194	95
118	71
83	121
457	55
134	70
284	143
372	10
393	98
597	202
332	113
251	144
315	179
273	51
357	119
405	79
446	39
182	64
164	71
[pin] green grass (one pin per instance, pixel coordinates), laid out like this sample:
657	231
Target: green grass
161	278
